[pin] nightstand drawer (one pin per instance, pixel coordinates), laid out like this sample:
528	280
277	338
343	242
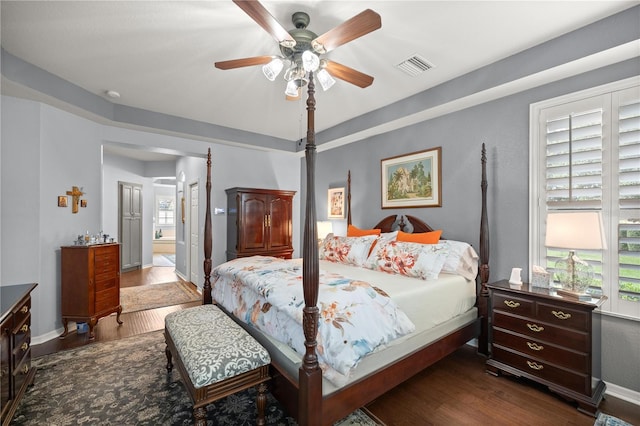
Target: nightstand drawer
578	361
563	316
539	330
553	374
512	304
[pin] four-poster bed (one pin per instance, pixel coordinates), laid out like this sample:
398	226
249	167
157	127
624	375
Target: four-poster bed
304	393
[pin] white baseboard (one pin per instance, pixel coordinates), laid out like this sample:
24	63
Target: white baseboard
623	393
37	340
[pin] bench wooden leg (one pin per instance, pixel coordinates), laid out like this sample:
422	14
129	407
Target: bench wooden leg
169	360
200	415
262	403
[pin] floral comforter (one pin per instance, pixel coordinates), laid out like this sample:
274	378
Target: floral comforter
355	317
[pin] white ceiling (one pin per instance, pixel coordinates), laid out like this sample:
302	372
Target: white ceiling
159	55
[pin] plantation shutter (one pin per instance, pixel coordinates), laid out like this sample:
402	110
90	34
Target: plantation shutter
628	158
574	141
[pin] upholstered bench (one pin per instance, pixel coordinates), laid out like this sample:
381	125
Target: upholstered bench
215	356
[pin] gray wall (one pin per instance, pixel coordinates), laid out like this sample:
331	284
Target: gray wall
45	151
503	125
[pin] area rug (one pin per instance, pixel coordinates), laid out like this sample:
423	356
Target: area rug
125	382
140	298
607	420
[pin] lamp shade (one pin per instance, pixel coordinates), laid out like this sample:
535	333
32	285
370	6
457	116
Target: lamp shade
575	230
324	228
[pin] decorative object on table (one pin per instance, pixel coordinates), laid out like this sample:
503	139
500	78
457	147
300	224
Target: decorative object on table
335	203
539	277
515	281
62	201
75	193
324	228
582	230
412	180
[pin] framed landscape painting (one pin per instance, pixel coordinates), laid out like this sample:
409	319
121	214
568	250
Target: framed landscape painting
412	180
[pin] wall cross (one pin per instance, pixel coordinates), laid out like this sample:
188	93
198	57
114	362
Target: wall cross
76	194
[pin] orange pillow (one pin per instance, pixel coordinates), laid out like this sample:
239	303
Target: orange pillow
352	231
422	237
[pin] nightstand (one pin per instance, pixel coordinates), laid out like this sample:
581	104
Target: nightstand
552	340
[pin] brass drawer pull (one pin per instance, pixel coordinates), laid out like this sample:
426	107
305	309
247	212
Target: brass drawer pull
25	369
535	327
561	315
24	328
535	346
24	309
24	346
511	303
535	365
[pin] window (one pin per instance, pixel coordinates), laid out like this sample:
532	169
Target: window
166	211
585	155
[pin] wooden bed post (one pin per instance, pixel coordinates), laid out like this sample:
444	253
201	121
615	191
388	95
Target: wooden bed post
206	289
349	198
310	375
483	294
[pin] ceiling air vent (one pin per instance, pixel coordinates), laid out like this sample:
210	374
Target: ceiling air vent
415	65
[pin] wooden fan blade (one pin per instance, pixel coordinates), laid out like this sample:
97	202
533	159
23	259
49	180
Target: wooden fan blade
349	75
244	62
258	13
361	24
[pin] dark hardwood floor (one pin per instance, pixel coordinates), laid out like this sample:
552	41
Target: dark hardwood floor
454	391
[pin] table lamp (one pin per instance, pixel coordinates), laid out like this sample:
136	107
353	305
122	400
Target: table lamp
323	228
574	230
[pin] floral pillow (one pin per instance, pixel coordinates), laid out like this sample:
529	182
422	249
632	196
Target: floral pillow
346	250
416	260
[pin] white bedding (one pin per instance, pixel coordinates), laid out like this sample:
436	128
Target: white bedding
436	307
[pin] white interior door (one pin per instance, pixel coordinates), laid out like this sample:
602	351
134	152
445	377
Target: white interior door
193	234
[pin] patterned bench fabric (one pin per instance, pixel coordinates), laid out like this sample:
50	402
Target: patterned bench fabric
212	346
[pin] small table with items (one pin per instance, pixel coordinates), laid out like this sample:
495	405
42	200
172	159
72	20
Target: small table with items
550	339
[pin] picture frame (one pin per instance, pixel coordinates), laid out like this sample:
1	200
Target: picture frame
62	201
335	203
412	180
83	203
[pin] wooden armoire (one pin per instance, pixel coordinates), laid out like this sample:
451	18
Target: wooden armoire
259	222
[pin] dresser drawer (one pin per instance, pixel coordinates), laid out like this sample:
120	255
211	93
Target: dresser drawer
578	361
513	304
22	312
106	260
107	299
543	331
105	284
531	365
21	347
563	316
21	370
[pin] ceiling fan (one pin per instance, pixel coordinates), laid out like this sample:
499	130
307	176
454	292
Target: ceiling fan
302	49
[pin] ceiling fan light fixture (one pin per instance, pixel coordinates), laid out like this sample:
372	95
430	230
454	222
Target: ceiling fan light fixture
272	69
292	89
310	61
325	79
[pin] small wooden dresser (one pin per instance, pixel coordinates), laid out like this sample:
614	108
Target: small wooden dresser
549	339
16	372
90	284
